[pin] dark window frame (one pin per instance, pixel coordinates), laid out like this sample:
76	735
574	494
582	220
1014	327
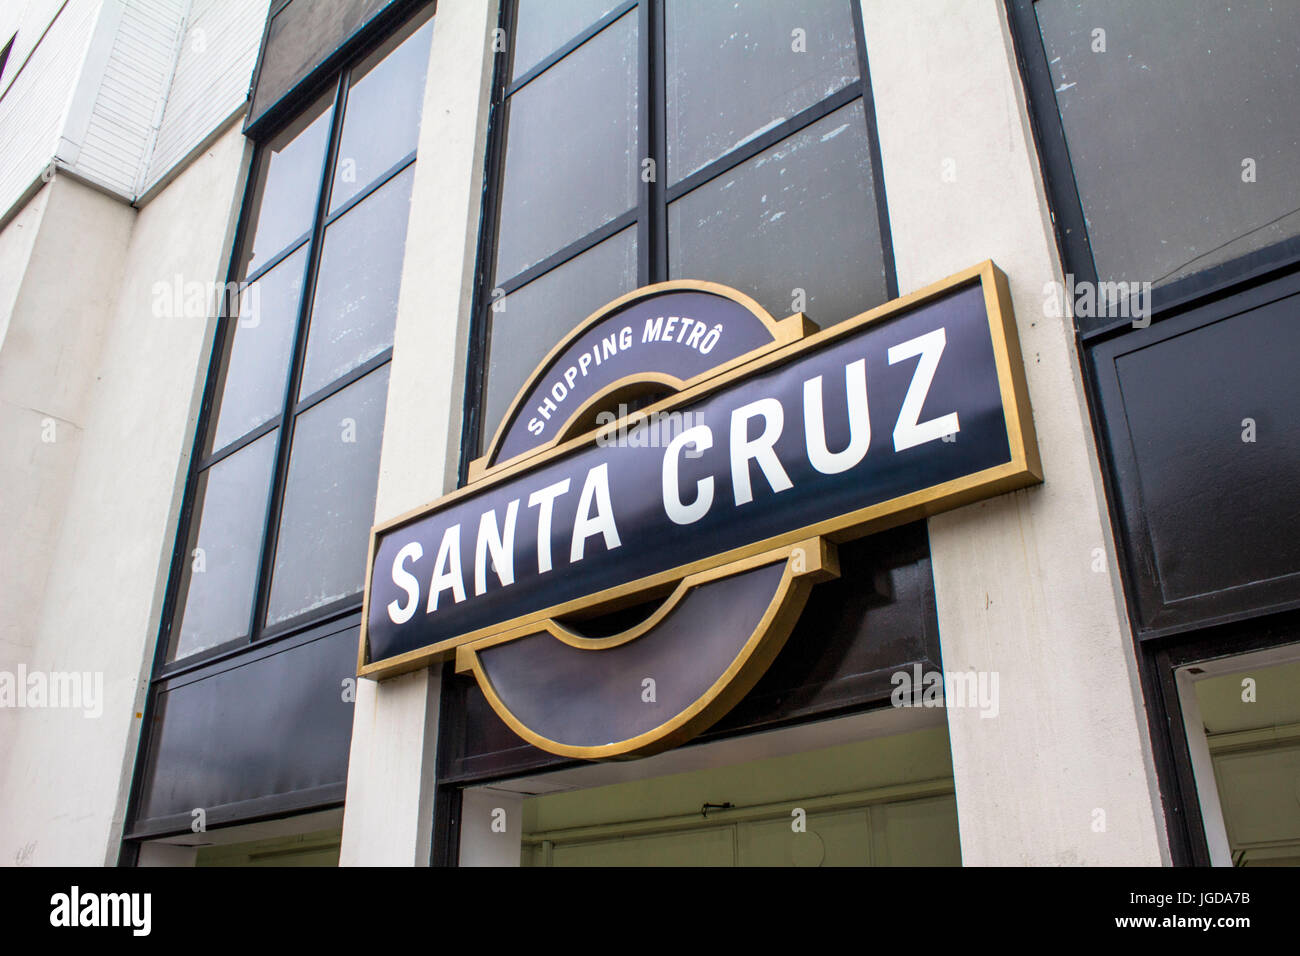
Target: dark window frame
343	614
650	214
1068	221
258	633
1204	635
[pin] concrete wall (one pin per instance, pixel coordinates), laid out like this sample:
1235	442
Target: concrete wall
388	814
115	111
51	346
122	93
1063	775
37	90
131	402
214	68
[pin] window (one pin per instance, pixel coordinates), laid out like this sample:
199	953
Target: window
670	139
279	511
1169	136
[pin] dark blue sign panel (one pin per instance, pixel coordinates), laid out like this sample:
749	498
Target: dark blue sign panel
678	335
888	416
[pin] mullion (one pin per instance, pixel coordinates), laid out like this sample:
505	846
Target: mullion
796	124
271	530
571	251
645	145
268	426
343	381
655	96
486	257
873	151
275	260
383	179
560	53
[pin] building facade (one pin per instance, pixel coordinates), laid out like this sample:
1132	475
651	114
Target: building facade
273	275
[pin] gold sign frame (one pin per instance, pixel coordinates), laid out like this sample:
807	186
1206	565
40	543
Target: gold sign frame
1022	470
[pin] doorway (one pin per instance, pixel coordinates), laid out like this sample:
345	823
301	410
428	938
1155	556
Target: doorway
874	789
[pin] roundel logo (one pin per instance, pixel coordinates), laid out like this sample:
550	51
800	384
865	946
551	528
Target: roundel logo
646	524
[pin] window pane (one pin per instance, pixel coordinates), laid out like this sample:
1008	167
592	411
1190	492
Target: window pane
252	385
382	121
534	318
355	303
571	161
329	500
800	216
543	26
220	573
737	69
1161	123
288	184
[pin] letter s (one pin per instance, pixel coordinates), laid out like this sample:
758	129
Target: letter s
405	580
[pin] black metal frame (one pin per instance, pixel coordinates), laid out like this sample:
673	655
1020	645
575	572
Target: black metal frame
262	125
650	215
1191	302
398	16
291	405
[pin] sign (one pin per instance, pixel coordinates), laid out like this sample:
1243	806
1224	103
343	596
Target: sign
722	503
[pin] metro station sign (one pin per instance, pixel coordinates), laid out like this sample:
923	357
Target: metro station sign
711	512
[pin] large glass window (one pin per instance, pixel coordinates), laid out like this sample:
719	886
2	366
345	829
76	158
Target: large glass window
283	498
1183	138
672	139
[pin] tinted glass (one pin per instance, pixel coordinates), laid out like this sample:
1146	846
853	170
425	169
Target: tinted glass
571	153
220	570
800	216
252	387
532	319
288	185
543	26
737	69
329	500
382	121
1182	128
355	303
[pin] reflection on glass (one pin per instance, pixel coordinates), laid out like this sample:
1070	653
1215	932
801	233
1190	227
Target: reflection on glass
529	321
355	304
571	153
737	69
288	185
543	26
801	215
220	571
382	122
1161	124
252	385
329	500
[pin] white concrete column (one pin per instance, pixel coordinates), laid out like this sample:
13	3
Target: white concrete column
98	342
1063	774
389	808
